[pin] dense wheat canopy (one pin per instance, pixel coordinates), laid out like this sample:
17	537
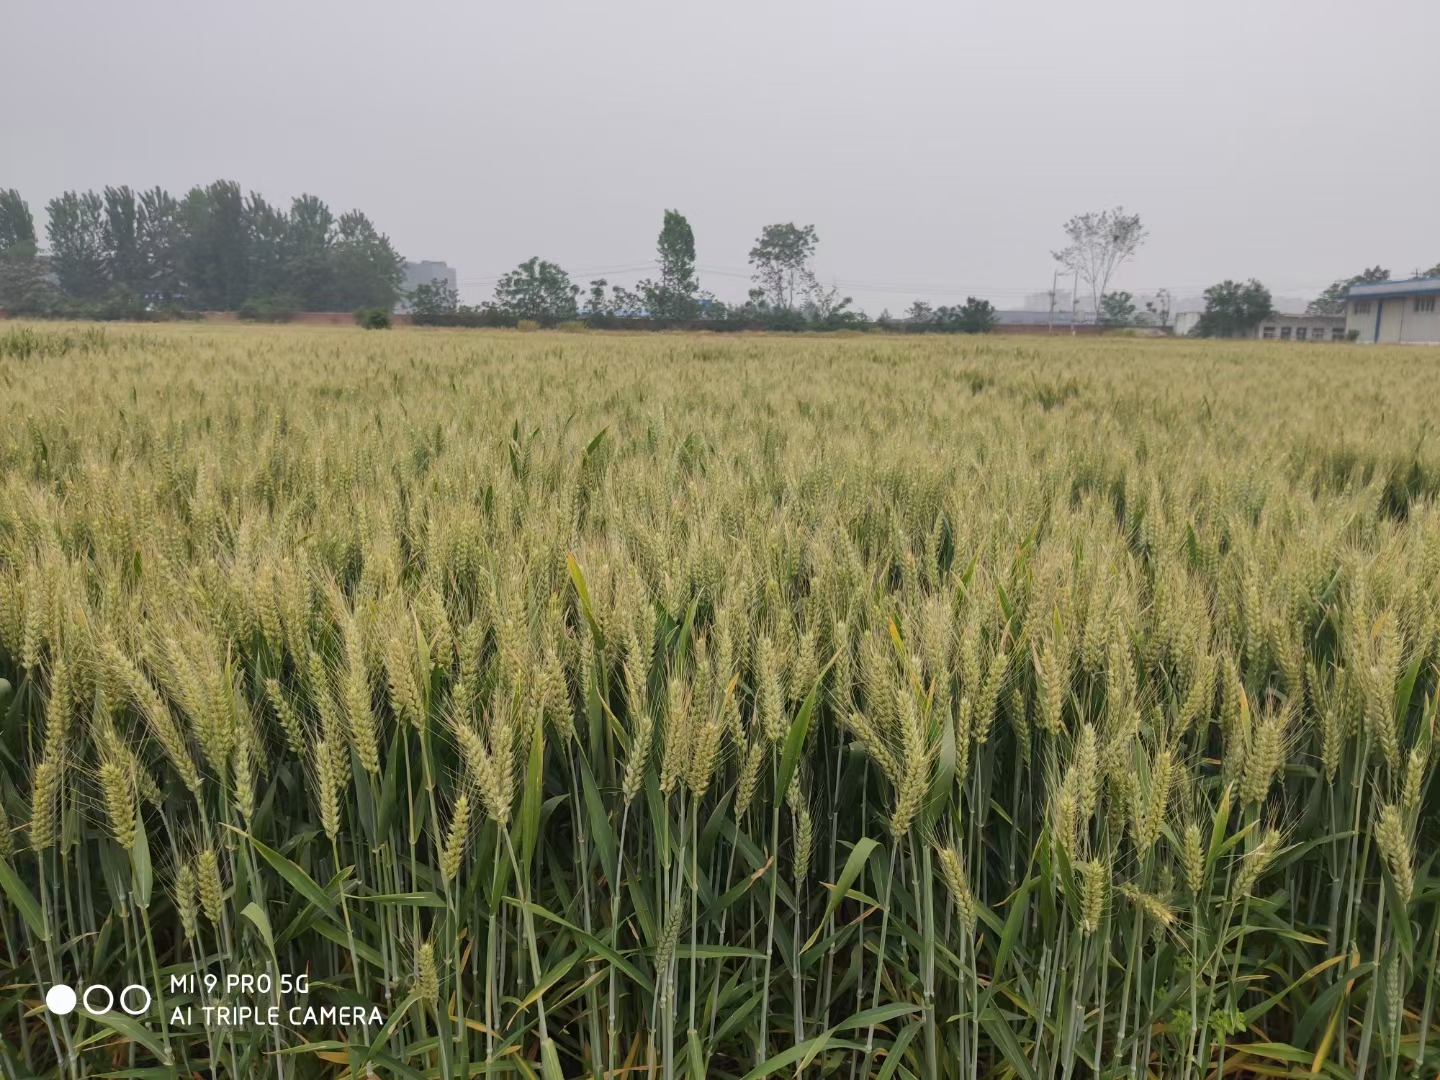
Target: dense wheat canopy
586	704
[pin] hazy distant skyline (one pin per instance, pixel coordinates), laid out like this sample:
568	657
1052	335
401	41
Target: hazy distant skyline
937	148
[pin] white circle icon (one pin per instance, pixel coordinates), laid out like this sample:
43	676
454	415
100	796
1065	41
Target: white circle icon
60	1000
126	993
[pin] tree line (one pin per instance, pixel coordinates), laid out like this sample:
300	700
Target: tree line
786	294
123	253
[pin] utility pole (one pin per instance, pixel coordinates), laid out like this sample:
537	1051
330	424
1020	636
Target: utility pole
1074	302
1050	320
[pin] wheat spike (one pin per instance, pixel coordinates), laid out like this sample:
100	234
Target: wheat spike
207	879
1394	842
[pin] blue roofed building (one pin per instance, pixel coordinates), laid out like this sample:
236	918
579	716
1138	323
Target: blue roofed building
1402	312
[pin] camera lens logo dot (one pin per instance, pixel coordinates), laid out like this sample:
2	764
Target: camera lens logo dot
60	1000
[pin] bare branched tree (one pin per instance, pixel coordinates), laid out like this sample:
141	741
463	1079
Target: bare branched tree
1100	242
781	258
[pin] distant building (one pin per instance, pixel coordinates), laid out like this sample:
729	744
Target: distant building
1406	312
1044	301
1186	321
423	273
1281	327
1029	317
1061	303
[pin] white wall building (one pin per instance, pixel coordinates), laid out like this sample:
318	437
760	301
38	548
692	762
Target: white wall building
1185	321
1281	327
1278	326
1406	312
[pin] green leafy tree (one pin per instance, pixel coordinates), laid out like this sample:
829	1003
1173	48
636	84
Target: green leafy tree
602	306
756	301
1332	300
272	309
24	289
1117	309
1233	309
365	269
159	240
437	297
267	230
76	231
311	225
827	307
309	231
1100	243
1434	271
629	303
710	308
124	264
127	251
920	312
597	302
17	226
373	318
674	295
781	258
537	290
215	260
975	316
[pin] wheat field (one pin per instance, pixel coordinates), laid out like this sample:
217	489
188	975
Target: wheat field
599	705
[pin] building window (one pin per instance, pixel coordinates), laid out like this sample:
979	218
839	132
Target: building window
1362	307
1301	333
1268	333
1284	333
1337	334
1424	303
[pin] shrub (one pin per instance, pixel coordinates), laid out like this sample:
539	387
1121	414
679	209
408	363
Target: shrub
373	318
270	309
466	317
527	324
120	304
972	317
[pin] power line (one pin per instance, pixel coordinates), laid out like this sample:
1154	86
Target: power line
580	272
908	288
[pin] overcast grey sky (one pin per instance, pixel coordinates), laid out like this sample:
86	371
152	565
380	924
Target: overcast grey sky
936	146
